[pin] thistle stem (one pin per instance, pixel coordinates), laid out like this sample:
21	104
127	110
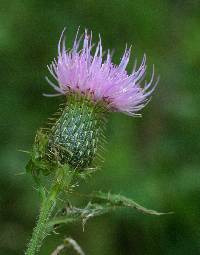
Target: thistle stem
41	229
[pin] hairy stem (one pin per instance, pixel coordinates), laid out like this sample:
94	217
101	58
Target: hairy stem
62	182
41	229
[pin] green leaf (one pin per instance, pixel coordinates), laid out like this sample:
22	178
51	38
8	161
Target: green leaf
73	214
116	200
104	203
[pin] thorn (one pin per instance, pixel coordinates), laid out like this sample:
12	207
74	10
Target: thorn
28	152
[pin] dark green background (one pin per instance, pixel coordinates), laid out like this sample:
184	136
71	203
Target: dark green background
154	159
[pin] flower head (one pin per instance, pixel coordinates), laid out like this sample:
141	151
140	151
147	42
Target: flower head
88	71
94	85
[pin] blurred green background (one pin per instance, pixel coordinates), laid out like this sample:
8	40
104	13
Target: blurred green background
154	159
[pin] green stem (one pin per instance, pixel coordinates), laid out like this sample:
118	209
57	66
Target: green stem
62	180
41	229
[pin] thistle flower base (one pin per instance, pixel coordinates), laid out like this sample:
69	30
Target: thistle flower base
75	137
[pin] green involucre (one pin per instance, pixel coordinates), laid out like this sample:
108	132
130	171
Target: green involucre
75	137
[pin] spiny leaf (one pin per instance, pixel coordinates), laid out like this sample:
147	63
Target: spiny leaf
105	202
117	200
72	214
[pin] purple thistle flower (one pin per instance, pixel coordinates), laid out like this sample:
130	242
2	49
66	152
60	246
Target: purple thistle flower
80	70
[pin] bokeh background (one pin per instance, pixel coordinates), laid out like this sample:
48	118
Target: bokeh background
154	159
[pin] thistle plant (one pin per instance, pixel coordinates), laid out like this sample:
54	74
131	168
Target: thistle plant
70	147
